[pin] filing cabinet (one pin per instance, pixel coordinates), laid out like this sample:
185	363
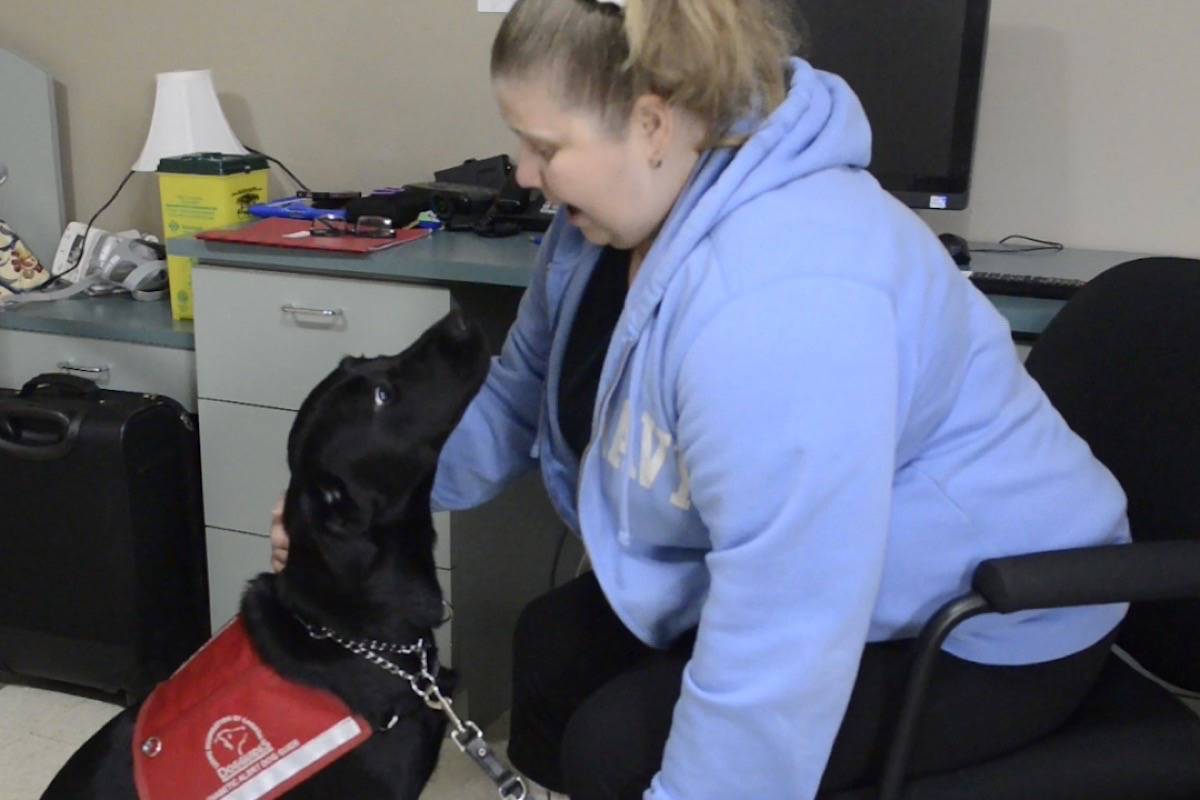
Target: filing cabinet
263	341
124	366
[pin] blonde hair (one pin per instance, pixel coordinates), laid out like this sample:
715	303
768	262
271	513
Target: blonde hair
722	60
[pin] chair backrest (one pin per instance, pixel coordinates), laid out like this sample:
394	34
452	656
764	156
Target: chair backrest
1121	363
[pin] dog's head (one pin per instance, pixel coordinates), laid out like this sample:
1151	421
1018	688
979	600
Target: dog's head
363	451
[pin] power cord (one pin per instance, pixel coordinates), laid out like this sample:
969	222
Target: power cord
282	166
1039	245
75	256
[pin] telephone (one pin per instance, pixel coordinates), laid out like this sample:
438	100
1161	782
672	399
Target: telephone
104	263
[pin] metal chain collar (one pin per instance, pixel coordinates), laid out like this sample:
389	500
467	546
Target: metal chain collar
466	735
321	632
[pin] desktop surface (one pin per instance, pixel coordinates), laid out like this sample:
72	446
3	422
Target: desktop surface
1067	263
444	257
114	317
462	259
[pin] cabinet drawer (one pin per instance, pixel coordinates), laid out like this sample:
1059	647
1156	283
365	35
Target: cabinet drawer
244	453
243	450
113	365
233	559
262	337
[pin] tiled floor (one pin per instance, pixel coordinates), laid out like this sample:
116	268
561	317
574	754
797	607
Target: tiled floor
40	727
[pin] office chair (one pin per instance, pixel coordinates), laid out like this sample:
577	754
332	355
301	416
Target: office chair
1121	362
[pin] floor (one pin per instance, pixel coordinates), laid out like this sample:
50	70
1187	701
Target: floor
41	725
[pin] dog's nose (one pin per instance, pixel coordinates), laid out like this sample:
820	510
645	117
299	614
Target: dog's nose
456	324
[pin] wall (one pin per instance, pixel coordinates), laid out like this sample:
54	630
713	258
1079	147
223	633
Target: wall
350	95
1088	123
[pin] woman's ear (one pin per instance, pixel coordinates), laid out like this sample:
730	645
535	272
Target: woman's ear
653	125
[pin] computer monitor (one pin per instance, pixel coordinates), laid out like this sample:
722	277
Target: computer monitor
917	66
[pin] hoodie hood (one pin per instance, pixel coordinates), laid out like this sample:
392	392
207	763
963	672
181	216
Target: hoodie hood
820	125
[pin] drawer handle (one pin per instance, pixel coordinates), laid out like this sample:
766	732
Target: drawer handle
326	313
67	366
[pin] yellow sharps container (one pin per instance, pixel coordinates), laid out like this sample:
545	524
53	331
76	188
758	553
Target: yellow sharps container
200	192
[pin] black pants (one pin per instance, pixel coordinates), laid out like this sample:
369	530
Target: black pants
592	705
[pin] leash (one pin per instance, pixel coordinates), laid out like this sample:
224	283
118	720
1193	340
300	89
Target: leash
466	735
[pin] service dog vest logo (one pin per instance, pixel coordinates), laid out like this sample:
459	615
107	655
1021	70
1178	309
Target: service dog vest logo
235	745
226	726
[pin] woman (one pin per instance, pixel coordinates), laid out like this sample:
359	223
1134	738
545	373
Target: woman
784	425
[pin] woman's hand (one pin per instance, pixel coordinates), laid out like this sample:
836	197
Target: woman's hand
279	538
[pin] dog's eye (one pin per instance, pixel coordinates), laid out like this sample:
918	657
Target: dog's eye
383	395
330	495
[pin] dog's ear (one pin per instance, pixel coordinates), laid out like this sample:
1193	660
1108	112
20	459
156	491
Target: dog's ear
305	417
328	503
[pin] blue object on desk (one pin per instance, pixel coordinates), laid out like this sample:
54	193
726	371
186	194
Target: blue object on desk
295	208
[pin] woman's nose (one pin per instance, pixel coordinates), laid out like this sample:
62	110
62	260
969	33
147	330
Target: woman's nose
529	176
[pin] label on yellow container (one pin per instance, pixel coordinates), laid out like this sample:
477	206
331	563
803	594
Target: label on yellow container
179	275
194	199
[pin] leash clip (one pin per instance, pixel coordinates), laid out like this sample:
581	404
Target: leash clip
466	736
470	740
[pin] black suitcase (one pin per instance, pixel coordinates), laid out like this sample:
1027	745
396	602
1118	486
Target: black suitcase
102	558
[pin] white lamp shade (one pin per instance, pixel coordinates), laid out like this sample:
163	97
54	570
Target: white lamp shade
187	119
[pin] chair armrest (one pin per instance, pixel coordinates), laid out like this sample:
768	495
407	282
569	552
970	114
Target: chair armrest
1091	576
1057	578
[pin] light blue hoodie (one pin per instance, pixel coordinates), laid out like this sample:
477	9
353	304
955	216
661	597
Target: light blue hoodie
809	429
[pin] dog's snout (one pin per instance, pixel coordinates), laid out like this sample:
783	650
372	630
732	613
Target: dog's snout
456	324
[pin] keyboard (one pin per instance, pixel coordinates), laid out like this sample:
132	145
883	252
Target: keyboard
1039	286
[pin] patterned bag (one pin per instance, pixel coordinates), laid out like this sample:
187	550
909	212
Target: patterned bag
20	269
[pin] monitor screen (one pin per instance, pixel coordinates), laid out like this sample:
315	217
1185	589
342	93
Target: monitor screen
917	66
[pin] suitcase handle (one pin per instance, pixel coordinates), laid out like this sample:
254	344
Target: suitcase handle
33	433
60	385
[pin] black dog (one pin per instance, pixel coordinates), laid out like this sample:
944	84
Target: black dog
362	451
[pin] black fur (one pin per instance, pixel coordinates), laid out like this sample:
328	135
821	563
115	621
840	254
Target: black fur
362	452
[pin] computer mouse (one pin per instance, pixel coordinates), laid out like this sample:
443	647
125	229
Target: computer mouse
957	247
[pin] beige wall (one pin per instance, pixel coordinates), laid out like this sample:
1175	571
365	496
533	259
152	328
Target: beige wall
1088	129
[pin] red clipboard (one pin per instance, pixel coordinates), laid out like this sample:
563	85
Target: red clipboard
275	233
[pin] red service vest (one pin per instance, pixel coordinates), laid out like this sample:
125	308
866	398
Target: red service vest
226	726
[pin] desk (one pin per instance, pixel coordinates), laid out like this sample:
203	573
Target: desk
1029	316
117	341
457	260
248	377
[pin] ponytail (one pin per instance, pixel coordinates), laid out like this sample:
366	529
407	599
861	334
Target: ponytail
721	60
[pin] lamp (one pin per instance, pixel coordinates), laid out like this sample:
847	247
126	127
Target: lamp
187	119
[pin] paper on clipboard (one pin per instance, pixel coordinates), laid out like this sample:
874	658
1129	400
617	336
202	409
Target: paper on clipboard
280	232
501	6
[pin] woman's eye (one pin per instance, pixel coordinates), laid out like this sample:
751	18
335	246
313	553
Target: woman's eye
383	395
543	152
